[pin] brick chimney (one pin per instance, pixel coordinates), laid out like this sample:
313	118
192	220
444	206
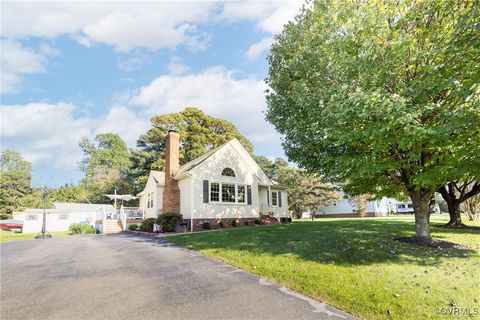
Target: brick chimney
171	192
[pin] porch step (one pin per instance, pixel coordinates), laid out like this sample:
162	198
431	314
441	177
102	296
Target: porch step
112	226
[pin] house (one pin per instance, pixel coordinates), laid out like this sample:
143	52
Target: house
345	208
151	198
225	184
62	215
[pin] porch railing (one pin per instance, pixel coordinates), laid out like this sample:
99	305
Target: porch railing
134	213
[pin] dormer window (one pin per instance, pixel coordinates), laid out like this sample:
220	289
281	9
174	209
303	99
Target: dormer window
228	172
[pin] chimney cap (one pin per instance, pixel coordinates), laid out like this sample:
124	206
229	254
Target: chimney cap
172	130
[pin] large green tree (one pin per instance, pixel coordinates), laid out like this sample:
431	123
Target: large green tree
106	163
306	191
382	97
198	131
455	193
269	167
15	181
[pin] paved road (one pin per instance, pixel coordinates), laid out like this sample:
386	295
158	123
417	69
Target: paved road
137	277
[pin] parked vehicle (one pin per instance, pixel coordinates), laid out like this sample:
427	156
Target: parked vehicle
404	208
407	208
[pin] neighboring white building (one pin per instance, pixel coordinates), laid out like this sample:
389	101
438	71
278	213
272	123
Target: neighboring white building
225	183
61	216
346	208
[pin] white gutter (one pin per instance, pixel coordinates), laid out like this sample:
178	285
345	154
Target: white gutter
191	204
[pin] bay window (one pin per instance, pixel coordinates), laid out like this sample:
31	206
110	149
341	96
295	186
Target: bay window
228	192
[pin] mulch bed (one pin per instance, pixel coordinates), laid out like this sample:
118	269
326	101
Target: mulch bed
437	244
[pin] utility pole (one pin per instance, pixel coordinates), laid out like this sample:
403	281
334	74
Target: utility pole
44	234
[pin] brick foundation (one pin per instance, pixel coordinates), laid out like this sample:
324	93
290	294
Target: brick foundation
228	222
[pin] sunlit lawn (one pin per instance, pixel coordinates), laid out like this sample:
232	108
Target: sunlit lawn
355	265
7	235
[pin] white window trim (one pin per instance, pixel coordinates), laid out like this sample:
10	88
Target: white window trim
210	192
244	193
245	203
271	198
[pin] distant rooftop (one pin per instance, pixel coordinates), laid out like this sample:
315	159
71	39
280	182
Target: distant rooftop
66	206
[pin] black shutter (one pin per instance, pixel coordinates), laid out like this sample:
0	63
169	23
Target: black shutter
279	198
205	191
249	194
268	198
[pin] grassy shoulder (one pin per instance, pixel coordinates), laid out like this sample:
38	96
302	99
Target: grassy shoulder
355	265
7	235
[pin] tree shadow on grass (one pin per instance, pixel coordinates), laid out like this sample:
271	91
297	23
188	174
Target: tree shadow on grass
341	242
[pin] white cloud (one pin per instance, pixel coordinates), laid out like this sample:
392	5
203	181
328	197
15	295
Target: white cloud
218	93
123	25
270	17
176	67
125	123
16	61
48	133
45	133
284	12
256	49
134	62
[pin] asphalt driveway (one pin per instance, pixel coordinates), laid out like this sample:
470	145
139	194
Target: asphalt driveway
136	277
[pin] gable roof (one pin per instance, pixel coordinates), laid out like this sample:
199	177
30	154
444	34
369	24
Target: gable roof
242	154
195	162
158	176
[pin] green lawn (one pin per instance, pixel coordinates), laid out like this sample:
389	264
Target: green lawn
355	265
6	235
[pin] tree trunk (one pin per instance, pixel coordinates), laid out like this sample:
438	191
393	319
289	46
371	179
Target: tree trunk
455	214
421	206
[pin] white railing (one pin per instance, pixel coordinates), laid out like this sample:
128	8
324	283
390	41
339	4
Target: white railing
123	217
134	213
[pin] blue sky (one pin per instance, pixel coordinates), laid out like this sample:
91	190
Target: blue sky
74	69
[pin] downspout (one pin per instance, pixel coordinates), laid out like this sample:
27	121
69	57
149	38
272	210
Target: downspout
191	203
104	219
269	196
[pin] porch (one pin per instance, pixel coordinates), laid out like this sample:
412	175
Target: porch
118	221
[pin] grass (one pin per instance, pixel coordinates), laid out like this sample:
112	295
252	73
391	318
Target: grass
7	235
355	265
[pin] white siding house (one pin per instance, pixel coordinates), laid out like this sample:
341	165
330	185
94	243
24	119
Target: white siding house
61	216
224	184
151	198
346	208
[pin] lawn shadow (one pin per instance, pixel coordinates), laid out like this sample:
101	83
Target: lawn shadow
342	242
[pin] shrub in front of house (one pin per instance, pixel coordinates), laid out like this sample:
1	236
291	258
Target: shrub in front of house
5	216
147	225
234	223
79	228
169	221
206	225
132	227
221	224
247	223
257	221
